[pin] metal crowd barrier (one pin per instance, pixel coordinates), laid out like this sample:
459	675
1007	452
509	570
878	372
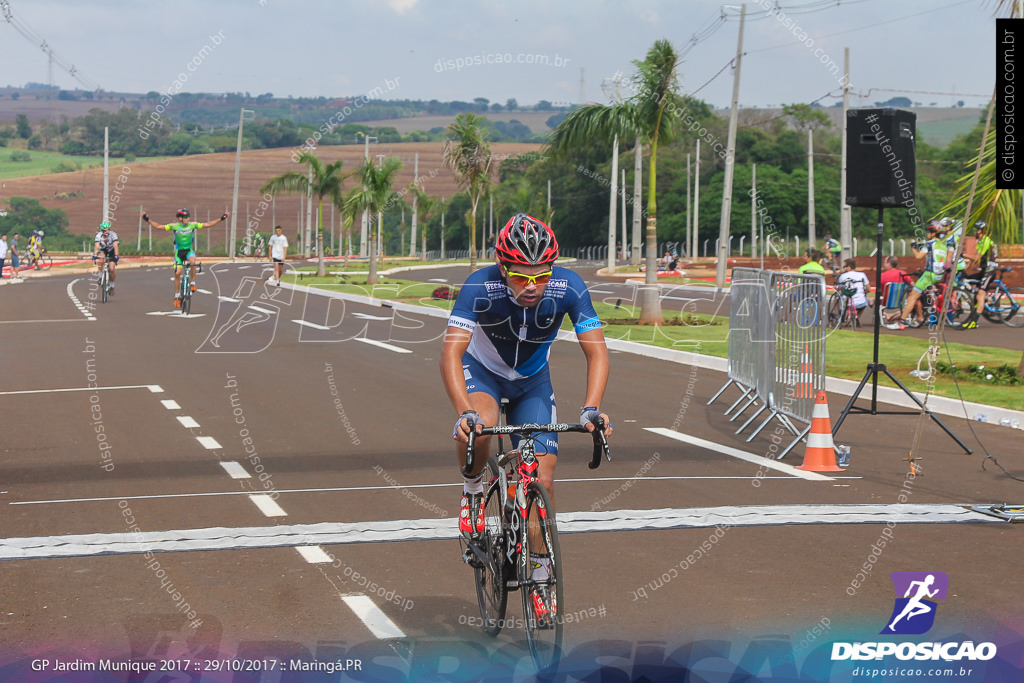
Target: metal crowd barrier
776	348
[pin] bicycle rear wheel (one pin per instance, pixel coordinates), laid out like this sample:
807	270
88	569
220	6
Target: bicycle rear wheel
490	576
835	311
1008	306
543	632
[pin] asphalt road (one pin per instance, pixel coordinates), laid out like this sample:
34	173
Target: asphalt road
235	488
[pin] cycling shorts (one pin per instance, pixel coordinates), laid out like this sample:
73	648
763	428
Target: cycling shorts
181	256
927	279
109	255
531	399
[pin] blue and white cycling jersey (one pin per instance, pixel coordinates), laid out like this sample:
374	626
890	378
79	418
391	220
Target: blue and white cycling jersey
514	341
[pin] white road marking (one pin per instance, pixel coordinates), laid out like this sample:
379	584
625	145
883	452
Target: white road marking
371	616
208	442
187	422
759	460
228	299
235	471
58	391
267	505
315	326
171	405
383	345
269	311
156	389
204	291
314	554
337	533
367	316
66	320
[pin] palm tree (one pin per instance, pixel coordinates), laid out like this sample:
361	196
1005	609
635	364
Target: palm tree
643	116
324	181
374	194
468	155
1000	208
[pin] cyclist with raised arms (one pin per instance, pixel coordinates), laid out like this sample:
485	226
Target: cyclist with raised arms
106	243
184	231
497	346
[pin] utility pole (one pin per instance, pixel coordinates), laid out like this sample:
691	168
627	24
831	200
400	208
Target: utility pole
696	201
811	234
230	246
730	164
845	215
689	233
614	187
753	212
622	191
415	201
638	173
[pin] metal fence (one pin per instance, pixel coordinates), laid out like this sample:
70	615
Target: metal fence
776	348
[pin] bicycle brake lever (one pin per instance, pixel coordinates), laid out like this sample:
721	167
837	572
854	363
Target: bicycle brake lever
600	445
468	469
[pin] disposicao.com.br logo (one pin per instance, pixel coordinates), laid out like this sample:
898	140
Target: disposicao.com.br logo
913	613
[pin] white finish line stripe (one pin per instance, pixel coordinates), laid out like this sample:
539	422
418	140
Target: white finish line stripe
315	326
383	345
336	533
267	505
234	470
760	460
187	421
314	554
171	405
208	442
375	620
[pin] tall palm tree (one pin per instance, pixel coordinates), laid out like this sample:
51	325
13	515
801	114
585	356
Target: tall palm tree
375	193
468	155
323	181
642	116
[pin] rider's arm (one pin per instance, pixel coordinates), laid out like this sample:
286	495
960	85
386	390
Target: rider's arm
456	341
152	223
215	221
596	353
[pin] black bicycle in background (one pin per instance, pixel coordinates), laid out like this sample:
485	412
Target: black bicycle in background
515	503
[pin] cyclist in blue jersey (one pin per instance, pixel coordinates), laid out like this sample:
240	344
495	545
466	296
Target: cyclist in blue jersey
497	344
184	230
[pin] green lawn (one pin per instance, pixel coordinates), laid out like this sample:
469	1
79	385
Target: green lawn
847	353
43	163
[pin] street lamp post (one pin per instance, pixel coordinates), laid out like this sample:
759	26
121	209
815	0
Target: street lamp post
243	116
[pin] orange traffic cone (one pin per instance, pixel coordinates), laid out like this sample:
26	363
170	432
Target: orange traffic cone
820	455
805	380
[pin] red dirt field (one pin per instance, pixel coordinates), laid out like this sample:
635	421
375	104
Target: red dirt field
204	185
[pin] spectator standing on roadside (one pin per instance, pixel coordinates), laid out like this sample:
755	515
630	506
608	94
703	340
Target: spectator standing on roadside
278	251
3	254
12	250
811	263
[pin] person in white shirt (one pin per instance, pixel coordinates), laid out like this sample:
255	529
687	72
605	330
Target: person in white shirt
3	254
853	279
278	251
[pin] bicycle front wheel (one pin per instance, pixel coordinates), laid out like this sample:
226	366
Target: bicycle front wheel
105	284
960	308
45	261
837	316
1008	305
490	576
543	630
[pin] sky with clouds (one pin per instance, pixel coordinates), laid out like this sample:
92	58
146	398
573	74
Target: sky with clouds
529	50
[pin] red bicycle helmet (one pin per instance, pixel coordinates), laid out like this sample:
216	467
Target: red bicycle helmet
526	241
184	213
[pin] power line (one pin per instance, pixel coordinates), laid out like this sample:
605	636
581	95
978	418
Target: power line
36	39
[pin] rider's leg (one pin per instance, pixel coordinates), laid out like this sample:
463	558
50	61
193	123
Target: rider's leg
192	268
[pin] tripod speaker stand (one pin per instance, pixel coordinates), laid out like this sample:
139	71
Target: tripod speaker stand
882	171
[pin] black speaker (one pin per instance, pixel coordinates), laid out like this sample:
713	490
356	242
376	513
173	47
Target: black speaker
881	169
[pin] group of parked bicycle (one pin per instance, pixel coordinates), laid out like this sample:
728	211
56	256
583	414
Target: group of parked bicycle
940	288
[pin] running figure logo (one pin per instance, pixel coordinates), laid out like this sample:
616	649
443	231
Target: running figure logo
914	612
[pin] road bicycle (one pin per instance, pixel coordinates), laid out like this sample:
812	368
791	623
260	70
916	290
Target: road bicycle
841	310
516	501
185	290
958	307
40	260
104	279
1002	303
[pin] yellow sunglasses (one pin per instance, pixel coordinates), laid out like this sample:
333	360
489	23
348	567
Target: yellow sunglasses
526	280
